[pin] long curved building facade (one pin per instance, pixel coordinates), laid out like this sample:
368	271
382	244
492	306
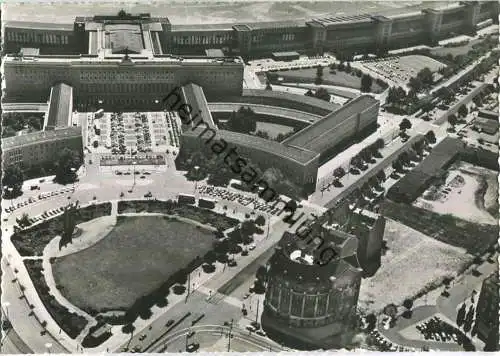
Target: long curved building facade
348	34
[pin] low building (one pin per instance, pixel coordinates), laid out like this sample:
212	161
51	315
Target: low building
60	107
285	56
40	147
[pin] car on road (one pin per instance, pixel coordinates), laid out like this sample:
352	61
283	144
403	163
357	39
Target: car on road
118	173
127	173
147	173
191	334
244	253
142	177
252	247
250	328
192	347
148	195
170	322
137	348
261	333
142	337
246	295
232	263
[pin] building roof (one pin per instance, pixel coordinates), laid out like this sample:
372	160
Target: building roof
125	36
214	52
39	25
284	96
298	155
29	51
326	21
285	54
487	126
275	24
307	137
40	137
203	27
194	96
60	106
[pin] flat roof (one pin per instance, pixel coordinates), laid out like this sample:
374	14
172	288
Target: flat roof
291	97
275	24
285	54
203	27
344	19
306	138
301	156
94	60
124	37
214	52
60	106
39	25
40	137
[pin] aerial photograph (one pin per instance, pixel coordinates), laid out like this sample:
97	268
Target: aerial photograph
249	176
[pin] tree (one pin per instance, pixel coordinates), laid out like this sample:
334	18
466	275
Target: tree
260	221
381	175
13	177
319	76
366	83
69	224
248	228
24	220
461	315
348	68
397	165
452	120
405	124
379	143
66	166
122	13
462	110
371	320
415	84
341	67
309	93
268	85
408	303
390	310
322	93
261	273
339	172
262	134
431	136
426	76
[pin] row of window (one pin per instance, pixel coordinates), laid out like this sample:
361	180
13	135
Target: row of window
199	39
133	76
33	37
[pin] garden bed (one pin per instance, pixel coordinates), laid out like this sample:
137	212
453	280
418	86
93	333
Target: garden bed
32	241
71	323
220	222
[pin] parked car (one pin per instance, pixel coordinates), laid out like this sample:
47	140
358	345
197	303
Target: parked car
170	322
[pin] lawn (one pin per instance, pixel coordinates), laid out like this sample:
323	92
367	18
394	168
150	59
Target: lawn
135	258
340	78
454	50
412	262
273	130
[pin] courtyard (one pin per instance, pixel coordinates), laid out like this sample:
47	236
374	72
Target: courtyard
137	256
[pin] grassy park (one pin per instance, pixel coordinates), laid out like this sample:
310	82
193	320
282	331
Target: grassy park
137	256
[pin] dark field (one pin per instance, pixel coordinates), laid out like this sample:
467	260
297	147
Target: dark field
137	256
475	238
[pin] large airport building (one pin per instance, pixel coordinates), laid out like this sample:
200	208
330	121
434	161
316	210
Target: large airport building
350	34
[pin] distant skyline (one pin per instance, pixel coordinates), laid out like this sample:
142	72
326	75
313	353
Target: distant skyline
192	12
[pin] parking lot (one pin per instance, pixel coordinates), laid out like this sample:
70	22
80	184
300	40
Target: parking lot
401	69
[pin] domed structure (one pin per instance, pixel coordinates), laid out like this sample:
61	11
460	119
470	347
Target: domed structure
310	304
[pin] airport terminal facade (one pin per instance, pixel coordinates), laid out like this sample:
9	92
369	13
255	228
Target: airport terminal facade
350	34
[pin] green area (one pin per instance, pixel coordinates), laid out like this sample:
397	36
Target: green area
137	256
334	76
71	323
32	241
13	122
475	238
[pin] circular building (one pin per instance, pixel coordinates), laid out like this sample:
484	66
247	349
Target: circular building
312	290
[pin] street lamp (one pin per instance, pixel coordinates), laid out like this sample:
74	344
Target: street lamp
133	166
73	171
196	168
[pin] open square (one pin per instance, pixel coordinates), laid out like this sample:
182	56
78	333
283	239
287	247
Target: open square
137	256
